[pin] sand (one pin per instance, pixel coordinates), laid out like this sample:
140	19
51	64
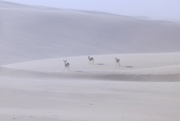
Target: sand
35	85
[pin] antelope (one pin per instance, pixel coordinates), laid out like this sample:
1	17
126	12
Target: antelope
66	65
117	61
91	59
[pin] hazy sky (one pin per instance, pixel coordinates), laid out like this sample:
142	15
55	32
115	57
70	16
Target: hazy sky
154	9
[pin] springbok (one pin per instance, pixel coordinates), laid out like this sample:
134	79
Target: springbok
91	59
66	65
117	62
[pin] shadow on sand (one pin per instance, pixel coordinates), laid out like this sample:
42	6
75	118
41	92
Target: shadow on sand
79	71
100	64
129	66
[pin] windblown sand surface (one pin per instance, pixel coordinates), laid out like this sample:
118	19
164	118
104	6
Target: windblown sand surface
143	87
35	86
133	67
31	33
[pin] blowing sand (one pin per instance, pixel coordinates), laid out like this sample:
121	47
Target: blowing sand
35	86
141	88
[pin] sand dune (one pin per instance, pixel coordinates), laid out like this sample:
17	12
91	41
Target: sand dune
34	86
41	90
134	67
31	32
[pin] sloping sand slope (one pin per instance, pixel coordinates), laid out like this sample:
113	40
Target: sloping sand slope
134	67
145	87
31	32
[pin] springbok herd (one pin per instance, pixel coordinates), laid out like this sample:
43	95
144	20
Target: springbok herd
91	61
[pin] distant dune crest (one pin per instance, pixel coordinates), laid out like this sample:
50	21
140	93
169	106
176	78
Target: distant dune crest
46	75
29	32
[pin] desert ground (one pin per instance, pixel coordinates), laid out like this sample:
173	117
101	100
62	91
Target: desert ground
35	84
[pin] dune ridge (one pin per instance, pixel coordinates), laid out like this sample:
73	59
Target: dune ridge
32	33
146	67
34	86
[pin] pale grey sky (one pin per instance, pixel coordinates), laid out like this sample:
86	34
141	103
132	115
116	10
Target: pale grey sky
153	9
